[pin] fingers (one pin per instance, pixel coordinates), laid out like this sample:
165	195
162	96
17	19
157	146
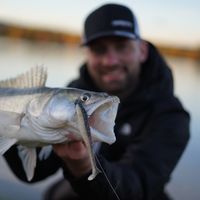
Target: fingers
73	150
75	156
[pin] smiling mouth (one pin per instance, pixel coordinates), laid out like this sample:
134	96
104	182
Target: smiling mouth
115	72
114	75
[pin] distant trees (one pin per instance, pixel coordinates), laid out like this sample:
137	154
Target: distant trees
35	34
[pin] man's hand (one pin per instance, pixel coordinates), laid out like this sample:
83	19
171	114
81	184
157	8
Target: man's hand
75	156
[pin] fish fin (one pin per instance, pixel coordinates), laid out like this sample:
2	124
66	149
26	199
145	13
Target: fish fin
45	152
28	158
36	77
6	143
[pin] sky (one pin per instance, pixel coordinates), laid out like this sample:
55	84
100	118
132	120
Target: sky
169	22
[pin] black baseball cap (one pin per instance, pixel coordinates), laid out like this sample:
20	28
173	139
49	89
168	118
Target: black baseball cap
110	20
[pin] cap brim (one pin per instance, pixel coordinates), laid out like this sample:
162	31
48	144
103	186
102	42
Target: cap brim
124	34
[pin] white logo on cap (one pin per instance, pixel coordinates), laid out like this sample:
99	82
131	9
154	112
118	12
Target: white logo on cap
120	22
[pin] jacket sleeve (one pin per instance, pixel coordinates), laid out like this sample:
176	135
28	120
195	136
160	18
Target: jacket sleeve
43	168
145	167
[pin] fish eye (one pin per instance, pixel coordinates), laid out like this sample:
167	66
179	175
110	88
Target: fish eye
85	97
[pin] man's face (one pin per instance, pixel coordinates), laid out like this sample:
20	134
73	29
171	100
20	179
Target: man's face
114	63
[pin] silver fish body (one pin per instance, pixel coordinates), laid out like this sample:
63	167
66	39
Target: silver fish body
37	116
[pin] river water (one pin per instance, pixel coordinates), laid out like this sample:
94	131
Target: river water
62	62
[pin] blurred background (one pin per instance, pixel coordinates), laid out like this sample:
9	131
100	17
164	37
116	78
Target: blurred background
48	32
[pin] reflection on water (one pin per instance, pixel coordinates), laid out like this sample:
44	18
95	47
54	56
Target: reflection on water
62	63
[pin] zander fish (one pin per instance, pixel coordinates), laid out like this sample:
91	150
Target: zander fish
33	115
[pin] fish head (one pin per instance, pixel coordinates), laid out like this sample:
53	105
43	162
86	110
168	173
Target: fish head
101	110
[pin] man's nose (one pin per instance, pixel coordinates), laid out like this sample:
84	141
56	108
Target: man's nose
111	58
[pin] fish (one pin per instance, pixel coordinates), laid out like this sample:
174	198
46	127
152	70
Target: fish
33	115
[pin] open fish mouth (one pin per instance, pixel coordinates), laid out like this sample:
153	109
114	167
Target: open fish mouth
101	119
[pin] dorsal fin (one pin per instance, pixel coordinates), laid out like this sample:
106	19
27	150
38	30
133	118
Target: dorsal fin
36	77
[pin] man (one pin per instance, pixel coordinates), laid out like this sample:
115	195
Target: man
152	128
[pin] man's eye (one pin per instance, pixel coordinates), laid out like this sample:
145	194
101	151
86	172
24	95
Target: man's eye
121	47
98	50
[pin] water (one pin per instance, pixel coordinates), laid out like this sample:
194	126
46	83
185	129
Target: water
62	62
185	182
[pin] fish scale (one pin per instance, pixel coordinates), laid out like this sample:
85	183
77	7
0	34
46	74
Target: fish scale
17	104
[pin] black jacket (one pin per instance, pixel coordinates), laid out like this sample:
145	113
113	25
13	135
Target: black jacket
152	130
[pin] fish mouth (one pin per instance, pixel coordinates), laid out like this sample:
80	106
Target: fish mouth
101	119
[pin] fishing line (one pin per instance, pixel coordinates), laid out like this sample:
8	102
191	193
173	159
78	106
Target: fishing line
104	173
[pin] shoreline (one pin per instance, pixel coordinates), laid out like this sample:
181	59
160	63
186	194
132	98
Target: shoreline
34	34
